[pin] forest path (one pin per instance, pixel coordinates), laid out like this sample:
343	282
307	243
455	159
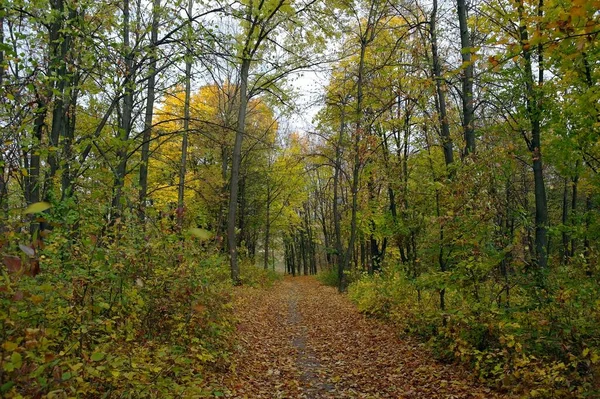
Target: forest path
301	339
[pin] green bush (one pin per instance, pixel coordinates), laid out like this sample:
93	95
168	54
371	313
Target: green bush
328	277
257	276
121	316
547	348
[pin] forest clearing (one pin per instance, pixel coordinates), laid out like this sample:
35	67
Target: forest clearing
299	198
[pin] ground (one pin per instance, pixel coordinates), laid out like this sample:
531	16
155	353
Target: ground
301	339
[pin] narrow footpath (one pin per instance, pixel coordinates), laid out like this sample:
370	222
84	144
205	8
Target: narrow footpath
301	339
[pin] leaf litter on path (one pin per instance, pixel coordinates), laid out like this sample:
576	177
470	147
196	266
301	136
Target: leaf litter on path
301	339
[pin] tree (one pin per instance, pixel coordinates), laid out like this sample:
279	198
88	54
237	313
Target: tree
260	22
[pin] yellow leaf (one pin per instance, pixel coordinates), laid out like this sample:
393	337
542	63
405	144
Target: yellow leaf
16	359
37	207
37	299
200	233
10	346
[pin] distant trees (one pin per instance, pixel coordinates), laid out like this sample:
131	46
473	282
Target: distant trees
424	101
91	97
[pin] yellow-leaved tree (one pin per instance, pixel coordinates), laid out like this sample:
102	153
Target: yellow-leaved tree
211	135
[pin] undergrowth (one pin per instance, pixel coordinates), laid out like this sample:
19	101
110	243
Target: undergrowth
119	314
328	277
544	343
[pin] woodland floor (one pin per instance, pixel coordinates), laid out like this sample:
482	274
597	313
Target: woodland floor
301	339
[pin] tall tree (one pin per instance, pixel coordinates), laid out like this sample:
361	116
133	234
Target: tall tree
466	50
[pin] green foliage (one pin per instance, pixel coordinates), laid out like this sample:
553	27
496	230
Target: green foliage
254	276
547	349
117	315
328	277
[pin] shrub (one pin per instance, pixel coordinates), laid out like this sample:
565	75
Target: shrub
127	316
547	348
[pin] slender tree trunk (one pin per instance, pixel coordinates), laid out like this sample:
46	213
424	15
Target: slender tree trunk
309	238
67	177
125	126
364	41
186	127
587	247
32	181
336	199
149	113
533	105
59	45
293	256
565	212
267	227
235	171
440	85
241	211
573	218
446	139
467	78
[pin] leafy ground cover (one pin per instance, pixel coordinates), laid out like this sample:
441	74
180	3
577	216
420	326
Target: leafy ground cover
303	340
545	345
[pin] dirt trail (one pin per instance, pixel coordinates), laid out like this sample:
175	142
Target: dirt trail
303	340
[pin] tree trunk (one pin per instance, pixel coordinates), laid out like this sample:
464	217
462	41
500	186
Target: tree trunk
534	114
440	85
59	44
149	113
235	171
67	147
32	181
364	41
267	227
573	218
565	212
125	125
336	199
293	256
467	78
186	128
587	248
446	139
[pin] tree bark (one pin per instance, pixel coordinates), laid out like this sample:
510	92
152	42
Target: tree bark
59	44
440	85
235	171
336	199
467	78
67	177
587	247
564	219
149	112
575	182
446	139
125	125
534	111
267	227
186	126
